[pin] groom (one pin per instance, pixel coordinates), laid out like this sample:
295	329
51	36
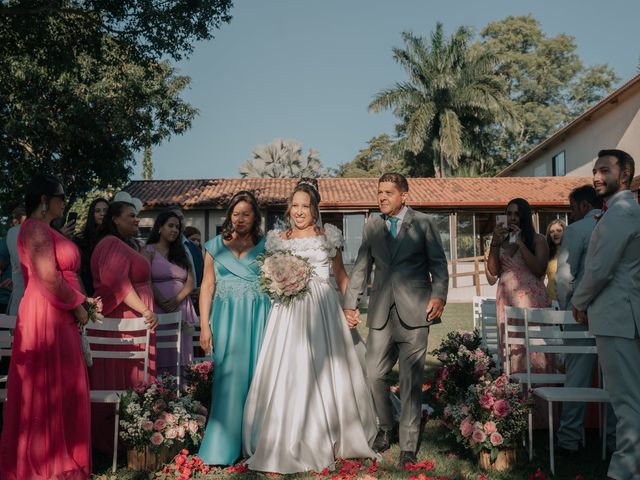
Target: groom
408	294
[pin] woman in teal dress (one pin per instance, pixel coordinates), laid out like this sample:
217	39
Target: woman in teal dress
233	315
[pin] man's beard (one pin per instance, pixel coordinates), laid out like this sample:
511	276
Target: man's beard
610	189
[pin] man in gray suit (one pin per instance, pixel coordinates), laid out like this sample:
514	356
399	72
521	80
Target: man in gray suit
408	294
608	299
584	209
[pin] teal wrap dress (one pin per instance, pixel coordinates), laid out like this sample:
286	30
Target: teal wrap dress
239	312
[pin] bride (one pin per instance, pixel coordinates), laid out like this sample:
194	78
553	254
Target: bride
309	403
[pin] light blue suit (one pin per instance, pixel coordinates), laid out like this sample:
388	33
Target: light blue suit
610	293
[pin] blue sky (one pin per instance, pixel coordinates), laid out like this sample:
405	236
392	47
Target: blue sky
307	70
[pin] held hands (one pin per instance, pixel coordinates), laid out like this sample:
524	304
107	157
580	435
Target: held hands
353	317
169	305
82	317
151	319
580	316
206	340
435	308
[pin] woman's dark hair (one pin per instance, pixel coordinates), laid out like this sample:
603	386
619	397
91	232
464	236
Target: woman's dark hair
310	187
177	254
39	185
108	226
90	230
227	226
553	248
190	230
526	221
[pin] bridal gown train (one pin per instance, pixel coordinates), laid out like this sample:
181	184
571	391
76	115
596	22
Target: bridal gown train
309	402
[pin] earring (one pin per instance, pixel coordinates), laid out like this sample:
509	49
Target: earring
45	207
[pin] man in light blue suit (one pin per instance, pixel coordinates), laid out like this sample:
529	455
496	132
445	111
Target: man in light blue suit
608	299
585	209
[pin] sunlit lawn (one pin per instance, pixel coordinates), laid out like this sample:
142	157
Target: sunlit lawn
449	462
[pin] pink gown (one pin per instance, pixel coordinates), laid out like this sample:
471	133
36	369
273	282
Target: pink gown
117	269
47	432
168	279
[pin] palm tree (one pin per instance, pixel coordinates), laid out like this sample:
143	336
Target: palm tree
453	94
282	158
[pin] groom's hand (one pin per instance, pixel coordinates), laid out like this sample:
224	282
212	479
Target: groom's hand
353	317
435	308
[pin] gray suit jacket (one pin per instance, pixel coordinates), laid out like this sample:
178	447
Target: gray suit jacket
409	269
610	288
572	255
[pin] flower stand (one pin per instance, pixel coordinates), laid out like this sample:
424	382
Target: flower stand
141	460
505	460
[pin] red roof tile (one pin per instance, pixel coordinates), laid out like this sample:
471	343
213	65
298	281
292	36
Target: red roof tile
361	192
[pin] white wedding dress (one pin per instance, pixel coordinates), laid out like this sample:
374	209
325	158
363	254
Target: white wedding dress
309	402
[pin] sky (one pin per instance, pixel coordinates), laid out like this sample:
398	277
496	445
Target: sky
308	69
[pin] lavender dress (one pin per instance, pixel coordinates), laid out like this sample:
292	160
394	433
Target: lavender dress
168	279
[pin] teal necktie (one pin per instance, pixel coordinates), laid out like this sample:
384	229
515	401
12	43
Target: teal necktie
394	226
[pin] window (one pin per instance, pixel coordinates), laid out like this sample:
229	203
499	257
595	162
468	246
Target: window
465	230
353	226
558	165
442	227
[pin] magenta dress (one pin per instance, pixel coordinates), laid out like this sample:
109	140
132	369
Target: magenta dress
117	269
47	432
168	279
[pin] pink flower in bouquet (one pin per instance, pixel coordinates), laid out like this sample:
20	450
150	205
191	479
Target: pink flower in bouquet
478	426
171	433
159	405
204	367
478	436
201	420
501	381
181	431
496	439
466	429
170	418
201	409
501	408
193	426
490	427
487	401
442	356
147	426
159	424
157	438
445	373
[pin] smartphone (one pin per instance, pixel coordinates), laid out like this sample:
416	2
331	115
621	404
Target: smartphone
72	217
501	220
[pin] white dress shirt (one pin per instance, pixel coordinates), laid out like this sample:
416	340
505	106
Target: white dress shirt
399	216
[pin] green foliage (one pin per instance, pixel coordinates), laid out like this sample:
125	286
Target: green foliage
378	157
84	85
451	97
147	164
282	158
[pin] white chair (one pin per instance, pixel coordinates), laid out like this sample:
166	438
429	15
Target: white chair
169	337
485	319
7	326
544	334
138	349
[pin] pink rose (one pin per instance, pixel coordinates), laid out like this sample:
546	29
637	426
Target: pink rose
181	432
157	438
501	381
147	426
501	408
159	424
170	418
490	427
171	433
466	429
487	401
193	426
496	439
478	436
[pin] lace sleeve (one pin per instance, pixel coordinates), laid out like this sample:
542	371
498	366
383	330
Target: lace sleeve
334	238
273	242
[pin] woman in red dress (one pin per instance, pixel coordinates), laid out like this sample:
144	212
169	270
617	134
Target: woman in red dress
122	278
47	433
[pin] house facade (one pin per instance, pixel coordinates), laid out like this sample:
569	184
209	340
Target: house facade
463	209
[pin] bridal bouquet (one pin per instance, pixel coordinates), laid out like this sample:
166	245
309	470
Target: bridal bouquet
284	276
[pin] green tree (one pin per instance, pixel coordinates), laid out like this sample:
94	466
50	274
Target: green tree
451	96
84	85
282	158
380	156
547	82
147	164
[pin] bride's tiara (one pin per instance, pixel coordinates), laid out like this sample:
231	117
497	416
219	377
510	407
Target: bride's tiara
308	183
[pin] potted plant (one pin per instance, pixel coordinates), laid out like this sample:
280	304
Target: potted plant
491	421
155	423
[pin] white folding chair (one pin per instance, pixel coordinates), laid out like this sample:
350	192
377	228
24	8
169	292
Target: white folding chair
7	326
488	324
138	350
543	339
169	337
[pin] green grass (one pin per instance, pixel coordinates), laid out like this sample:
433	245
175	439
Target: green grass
449	461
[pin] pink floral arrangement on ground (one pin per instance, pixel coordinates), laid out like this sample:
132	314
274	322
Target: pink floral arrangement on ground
153	415
493	416
284	276
199	381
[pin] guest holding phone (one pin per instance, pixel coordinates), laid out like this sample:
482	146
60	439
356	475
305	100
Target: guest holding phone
87	239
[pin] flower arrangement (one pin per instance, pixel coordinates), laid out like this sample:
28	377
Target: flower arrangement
199	381
464	363
154	416
492	417
93	306
284	276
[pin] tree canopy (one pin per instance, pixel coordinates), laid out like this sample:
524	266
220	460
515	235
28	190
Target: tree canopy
84	85
282	158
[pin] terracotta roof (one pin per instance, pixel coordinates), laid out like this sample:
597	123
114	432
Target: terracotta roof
361	192
585	116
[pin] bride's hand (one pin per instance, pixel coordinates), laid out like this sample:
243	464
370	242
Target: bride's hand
353	317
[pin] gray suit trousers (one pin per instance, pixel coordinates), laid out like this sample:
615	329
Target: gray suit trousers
396	342
620	358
